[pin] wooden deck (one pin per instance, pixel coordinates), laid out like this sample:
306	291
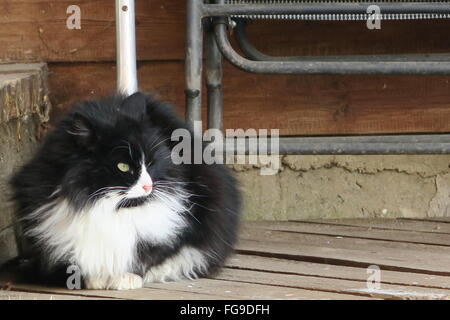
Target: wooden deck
325	259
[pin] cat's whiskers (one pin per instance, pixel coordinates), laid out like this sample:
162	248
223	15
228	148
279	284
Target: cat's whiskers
163	197
124	202
189	210
180	182
160	143
186	197
156	139
184	193
106	190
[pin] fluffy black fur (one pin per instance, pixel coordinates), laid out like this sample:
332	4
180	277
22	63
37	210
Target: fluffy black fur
80	155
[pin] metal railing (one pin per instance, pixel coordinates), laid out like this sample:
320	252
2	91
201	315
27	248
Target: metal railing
213	19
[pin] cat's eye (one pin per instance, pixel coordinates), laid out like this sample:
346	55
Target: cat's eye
123	167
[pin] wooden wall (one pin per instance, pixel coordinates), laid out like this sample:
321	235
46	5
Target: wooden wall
82	66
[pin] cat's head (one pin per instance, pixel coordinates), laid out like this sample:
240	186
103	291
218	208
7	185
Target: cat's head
122	152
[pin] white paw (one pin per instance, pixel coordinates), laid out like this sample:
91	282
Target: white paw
165	273
125	281
153	276
96	283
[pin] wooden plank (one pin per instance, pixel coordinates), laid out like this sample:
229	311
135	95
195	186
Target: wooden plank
431	219
339	286
201	289
354	232
23	295
386	224
249	291
36	30
295	105
161	293
74	83
336	242
303	38
352	252
330	271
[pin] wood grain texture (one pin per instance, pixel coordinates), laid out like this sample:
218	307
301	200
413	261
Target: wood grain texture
431	226
23	295
330	271
162	293
304	105
251	291
303	38
74	83
36	30
32	30
354	232
350	252
201	289
290	265
337	286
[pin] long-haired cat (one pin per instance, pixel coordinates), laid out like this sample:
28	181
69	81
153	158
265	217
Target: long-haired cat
103	195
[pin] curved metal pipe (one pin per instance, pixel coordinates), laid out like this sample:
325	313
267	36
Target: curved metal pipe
249	49
413	64
245	45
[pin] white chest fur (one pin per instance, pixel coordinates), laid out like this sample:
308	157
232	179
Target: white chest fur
100	239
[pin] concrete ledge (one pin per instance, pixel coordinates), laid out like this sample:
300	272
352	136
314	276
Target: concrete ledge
24	109
348	187
23	91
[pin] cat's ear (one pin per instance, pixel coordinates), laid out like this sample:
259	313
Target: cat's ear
81	129
134	106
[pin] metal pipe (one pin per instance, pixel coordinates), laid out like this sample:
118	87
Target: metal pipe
249	50
352	145
213	80
437	65
193	60
321	146
217	10
355	145
126	47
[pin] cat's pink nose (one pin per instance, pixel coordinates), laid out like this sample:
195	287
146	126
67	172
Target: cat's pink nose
147	187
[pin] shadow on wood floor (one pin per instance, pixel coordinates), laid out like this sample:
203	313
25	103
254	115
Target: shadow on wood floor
314	259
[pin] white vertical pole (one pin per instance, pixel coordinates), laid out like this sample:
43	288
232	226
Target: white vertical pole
126	47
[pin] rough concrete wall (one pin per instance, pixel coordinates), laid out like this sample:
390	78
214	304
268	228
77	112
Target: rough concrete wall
348	186
24	109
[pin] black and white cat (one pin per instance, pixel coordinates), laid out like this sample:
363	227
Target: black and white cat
103	194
